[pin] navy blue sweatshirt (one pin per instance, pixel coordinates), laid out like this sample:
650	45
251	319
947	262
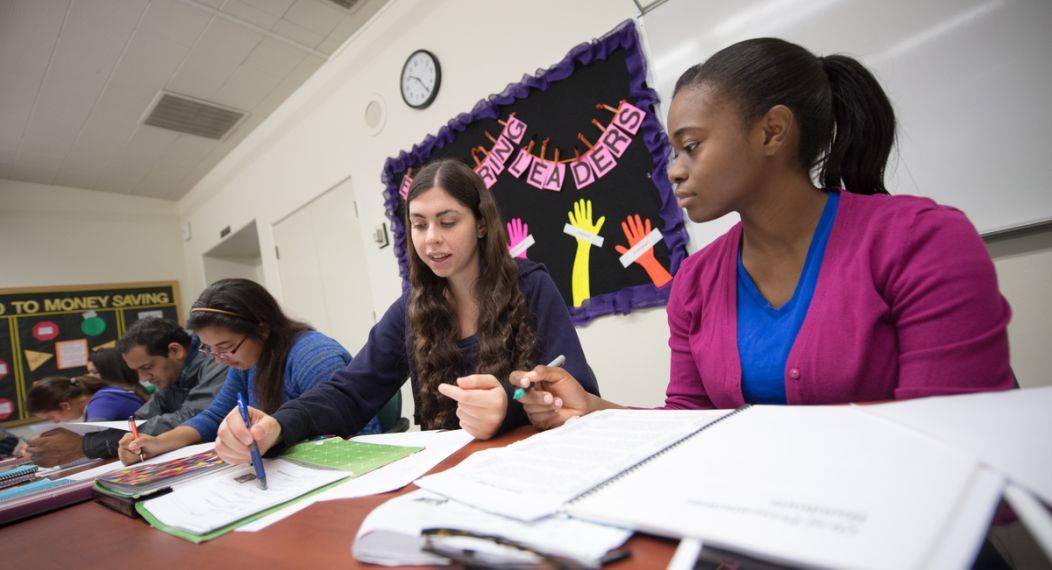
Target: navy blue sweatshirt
354	394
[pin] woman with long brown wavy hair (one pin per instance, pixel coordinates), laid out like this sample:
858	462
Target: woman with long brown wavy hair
471	316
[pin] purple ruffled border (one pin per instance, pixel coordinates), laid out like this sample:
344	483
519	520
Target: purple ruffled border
675	234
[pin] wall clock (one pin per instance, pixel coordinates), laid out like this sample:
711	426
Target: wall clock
421	78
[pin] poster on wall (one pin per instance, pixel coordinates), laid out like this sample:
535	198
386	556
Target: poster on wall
577	160
49	331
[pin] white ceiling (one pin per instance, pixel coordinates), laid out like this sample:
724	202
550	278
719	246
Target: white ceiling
77	77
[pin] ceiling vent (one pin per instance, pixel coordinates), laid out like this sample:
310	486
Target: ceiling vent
345	3
192	116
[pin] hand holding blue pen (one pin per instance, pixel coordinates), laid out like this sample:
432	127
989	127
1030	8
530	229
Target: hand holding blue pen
257	459
520	392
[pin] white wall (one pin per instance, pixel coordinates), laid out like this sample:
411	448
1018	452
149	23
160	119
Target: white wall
318	137
1024	273
55	235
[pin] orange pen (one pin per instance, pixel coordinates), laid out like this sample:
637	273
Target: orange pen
135	433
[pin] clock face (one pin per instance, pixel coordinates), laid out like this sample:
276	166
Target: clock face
421	76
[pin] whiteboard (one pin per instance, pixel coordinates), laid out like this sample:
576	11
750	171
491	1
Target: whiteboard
970	81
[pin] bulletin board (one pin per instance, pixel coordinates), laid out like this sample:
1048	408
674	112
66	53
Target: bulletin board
576	160
48	331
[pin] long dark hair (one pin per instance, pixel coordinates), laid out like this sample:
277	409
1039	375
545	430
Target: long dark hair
506	337
111	366
847	125
245	307
46	394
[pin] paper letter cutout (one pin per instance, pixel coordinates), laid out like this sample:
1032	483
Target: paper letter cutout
486	174
616	140
521	163
602	161
554	180
582	172
494	164
501	151
514	130
538	174
629	117
403	190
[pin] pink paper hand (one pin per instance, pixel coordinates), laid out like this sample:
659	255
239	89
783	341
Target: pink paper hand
517	231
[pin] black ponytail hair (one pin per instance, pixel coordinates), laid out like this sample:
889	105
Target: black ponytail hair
846	123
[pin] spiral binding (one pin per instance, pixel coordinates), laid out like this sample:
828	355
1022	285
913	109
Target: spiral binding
635	467
17	475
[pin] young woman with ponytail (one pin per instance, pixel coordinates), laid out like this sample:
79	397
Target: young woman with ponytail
830	290
471	316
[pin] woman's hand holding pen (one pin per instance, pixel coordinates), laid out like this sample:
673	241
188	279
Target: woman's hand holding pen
233	441
133	450
482	403
553	396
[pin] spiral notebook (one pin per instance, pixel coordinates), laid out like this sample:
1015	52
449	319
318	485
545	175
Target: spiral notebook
537	477
809	486
142	480
17	475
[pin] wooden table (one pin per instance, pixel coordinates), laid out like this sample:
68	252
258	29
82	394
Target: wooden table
89	535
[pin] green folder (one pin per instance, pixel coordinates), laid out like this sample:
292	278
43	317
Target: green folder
337	453
199	538
331	453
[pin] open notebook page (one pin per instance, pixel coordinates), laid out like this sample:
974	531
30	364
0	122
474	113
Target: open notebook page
215	501
535	477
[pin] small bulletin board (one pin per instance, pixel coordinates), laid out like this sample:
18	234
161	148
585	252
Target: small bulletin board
48	331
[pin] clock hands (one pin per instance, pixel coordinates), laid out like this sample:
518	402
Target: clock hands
420	79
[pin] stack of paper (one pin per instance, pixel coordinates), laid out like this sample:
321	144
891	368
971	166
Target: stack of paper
1001	429
536	477
218	502
209	506
810	486
391	534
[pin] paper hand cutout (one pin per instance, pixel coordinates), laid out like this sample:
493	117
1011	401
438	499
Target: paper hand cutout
518	231
635	231
581	218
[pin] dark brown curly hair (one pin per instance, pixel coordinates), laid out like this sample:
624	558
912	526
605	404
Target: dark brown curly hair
506	336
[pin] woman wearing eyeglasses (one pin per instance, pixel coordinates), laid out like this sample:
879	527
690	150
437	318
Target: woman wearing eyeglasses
272	359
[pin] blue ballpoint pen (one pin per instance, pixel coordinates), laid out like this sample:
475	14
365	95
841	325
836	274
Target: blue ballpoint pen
257	459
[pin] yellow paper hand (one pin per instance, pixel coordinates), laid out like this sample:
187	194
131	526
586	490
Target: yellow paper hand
581	218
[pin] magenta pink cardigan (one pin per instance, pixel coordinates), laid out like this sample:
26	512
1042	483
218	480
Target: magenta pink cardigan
906	305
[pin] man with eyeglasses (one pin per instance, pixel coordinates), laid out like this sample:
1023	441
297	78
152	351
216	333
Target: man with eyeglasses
165	355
